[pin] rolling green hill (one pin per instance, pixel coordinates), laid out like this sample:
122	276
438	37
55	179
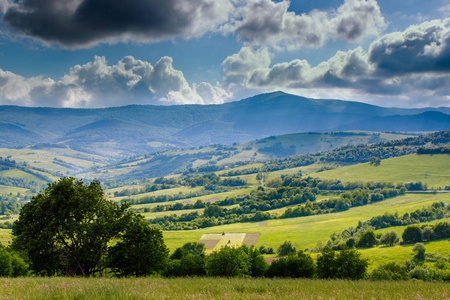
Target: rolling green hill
430	169
132	130
212	157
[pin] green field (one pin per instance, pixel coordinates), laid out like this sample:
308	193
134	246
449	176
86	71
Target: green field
305	232
434	170
216	288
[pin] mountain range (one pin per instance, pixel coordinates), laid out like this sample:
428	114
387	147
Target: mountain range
137	129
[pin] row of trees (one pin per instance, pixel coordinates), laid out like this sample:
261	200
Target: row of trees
364	236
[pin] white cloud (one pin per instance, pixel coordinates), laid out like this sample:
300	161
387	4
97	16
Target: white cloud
97	84
269	23
406	65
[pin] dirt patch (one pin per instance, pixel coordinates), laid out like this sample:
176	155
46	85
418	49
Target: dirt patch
186	202
262	224
251	239
269	260
226	236
209	244
212	200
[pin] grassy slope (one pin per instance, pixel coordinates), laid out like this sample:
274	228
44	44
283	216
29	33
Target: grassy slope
305	232
44	158
430	169
216	288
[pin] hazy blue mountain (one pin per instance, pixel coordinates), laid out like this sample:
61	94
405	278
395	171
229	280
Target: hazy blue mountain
136	129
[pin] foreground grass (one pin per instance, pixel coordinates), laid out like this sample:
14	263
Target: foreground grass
216	288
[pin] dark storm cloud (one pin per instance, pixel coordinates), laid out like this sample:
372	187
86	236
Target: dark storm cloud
420	48
81	23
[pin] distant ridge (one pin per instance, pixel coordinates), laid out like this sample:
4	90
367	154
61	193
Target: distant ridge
137	129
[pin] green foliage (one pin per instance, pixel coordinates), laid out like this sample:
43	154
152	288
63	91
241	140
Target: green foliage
66	228
298	265
412	234
187	265
367	239
419	249
348	264
389	238
141	250
228	262
390	271
11	265
258	265
286	248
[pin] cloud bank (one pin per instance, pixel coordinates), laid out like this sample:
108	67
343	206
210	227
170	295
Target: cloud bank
97	84
413	66
86	23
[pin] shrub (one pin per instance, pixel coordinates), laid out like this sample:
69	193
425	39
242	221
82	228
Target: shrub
367	239
389	238
286	248
412	234
390	271
228	262
295	266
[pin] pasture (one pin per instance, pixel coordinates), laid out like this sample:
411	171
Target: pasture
430	169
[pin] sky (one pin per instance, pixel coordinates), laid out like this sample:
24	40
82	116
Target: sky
102	53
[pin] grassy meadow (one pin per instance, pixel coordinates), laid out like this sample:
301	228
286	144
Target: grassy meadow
305	232
217	288
430	169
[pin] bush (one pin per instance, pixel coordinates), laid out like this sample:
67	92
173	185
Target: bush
188	265
348	264
390	271
412	234
295	266
286	248
11	265
141	251
389	238
228	262
367	239
419	248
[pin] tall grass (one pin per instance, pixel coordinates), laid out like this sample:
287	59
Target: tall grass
216	288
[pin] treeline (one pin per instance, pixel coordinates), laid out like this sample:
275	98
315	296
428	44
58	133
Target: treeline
211	179
364	236
435	150
360	153
247	171
190	260
166	198
293	190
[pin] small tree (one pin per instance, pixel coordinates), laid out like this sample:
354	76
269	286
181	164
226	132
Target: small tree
295	266
419	248
389	238
350	265
412	234
428	233
140	252
367	239
326	263
286	248
228	262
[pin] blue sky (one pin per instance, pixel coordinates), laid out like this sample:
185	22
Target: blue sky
98	53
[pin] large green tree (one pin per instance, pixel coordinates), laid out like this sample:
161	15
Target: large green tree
66	228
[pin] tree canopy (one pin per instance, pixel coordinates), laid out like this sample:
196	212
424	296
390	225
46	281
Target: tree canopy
67	228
